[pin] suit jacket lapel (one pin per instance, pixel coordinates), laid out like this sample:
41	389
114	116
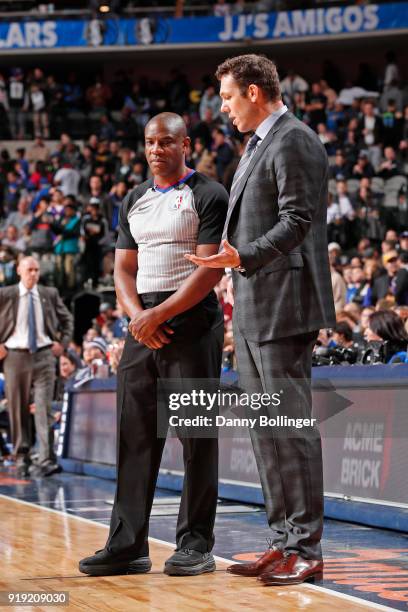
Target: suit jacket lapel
15	301
43	300
255	158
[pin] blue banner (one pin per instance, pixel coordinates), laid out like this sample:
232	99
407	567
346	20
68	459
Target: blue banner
147	31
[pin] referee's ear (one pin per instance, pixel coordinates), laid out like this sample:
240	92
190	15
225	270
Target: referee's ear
186	142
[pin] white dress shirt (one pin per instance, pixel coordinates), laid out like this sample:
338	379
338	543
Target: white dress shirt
19	337
264	127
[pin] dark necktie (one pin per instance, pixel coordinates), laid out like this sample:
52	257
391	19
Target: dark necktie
239	173
32	327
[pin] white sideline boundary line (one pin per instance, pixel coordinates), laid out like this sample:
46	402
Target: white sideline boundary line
351	598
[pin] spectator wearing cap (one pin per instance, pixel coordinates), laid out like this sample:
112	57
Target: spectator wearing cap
94	229
95	349
386	284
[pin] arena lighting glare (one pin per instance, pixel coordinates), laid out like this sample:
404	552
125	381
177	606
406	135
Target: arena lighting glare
104	8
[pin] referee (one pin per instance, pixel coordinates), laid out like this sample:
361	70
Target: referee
176	332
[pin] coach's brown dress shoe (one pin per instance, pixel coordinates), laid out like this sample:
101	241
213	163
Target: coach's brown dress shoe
293	569
264	563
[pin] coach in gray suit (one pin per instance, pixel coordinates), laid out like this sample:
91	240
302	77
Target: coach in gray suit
275	242
35	326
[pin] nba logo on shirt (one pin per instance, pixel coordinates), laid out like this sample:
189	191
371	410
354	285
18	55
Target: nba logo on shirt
177	203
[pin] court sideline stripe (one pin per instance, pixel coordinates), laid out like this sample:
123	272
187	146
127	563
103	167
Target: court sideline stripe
372	605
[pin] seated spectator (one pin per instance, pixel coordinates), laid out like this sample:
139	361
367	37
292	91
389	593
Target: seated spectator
389	167
115	354
68	365
358	288
343	335
95	359
362	168
387	326
328	139
20	217
8	266
403	241
340	170
13	240
336	119
387	283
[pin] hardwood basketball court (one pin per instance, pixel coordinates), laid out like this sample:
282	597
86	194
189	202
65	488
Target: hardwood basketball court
41	548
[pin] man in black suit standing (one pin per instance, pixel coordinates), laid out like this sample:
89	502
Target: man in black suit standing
35	328
275	242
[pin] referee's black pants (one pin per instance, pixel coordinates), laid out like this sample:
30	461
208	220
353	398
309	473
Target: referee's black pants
195	352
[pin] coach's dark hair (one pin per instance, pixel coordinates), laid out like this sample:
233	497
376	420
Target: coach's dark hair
252	69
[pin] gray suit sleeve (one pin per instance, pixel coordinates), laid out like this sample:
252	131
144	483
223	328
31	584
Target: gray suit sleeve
300	167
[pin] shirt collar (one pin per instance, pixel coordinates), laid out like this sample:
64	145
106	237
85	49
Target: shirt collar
22	290
266	125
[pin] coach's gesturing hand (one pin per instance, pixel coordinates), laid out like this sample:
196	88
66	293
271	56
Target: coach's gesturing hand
227	258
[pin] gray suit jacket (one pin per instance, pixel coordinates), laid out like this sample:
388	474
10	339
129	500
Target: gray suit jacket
58	321
278	224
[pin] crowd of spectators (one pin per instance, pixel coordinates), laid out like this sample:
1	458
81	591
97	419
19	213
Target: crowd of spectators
59	199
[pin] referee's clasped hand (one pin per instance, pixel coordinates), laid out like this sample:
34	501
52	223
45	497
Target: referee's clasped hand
147	329
228	258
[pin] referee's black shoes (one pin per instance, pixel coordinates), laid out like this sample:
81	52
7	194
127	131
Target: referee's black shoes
105	563
187	562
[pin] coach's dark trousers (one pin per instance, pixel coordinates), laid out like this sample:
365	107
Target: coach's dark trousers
195	352
289	460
